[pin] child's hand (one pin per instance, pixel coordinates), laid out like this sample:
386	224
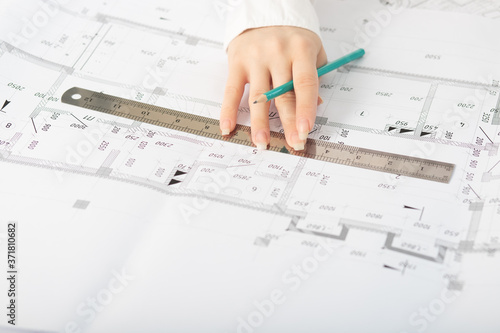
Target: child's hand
269	57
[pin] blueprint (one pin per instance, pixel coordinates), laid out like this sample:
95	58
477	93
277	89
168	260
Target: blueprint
118	226
485	8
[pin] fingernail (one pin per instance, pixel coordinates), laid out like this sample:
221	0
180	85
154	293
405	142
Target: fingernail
299	146
320	100
225	127
303	128
296	142
261	140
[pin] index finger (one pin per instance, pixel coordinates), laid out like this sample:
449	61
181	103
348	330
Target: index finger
233	92
306	85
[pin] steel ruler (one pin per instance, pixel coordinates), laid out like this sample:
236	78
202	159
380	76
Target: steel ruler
209	128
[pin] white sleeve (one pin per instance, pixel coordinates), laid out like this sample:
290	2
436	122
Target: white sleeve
261	13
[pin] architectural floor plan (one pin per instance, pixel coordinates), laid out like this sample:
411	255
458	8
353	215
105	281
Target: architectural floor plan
125	227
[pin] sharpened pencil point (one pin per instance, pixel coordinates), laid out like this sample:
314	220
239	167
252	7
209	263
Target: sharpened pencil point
261	99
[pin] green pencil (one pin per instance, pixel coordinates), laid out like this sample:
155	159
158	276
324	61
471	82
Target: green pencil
278	91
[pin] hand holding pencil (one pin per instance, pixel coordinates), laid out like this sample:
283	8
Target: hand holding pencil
284	88
270	57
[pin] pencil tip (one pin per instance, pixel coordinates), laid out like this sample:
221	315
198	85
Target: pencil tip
261	99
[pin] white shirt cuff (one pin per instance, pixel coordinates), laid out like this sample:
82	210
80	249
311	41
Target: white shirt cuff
250	14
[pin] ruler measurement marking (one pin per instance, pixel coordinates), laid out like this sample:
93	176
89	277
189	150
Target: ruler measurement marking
208	127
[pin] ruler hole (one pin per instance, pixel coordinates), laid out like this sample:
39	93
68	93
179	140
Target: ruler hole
76	96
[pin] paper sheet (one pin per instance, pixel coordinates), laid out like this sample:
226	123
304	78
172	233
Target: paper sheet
126	227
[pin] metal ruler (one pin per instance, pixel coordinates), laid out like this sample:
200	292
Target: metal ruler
209	128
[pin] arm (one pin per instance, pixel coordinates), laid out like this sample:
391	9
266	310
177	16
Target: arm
269	42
